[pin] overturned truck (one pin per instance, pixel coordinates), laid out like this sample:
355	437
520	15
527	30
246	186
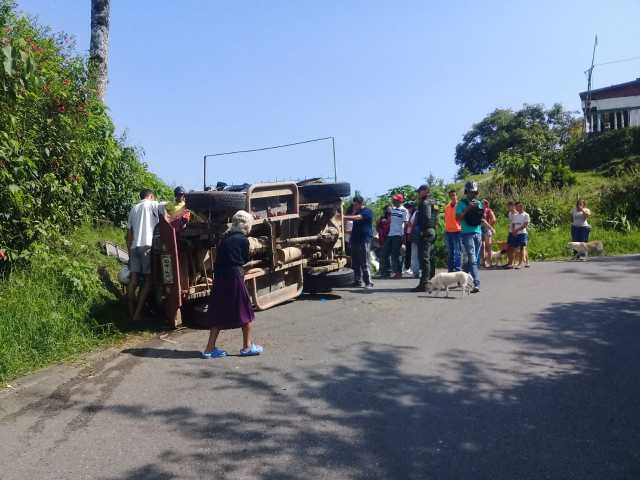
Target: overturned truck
296	243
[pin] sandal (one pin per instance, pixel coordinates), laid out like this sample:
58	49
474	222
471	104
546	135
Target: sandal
215	353
251	351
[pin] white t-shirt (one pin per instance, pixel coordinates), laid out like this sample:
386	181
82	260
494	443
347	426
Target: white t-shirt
518	219
579	218
399	216
143	218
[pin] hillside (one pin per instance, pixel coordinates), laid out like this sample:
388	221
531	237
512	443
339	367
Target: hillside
550	214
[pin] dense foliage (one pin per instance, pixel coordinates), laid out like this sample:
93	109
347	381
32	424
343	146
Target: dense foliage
531	130
596	151
60	162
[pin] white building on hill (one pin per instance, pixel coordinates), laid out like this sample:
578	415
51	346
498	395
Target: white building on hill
617	106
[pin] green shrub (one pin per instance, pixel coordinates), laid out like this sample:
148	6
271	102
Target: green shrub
621	166
594	151
60	163
620	201
57	306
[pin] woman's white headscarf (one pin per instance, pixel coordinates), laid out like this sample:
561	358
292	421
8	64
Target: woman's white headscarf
241	222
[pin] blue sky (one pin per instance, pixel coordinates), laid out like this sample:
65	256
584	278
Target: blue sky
396	83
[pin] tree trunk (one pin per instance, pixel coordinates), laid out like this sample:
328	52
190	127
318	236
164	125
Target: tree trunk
99	48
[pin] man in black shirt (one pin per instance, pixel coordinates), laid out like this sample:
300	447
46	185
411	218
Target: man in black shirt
361	236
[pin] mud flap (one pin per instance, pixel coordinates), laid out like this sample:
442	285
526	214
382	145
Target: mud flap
170	274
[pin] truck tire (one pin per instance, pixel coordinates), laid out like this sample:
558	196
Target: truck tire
217	202
324	192
325	282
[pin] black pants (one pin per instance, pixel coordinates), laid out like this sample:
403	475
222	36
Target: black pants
392	248
360	261
426	252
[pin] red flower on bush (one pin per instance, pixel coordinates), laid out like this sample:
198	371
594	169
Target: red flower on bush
61	108
3	255
66	81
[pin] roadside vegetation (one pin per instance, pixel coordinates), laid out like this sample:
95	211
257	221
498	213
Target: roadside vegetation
66	182
541	158
61	304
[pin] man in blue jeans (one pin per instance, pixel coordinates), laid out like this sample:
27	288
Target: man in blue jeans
469	212
452	230
361	235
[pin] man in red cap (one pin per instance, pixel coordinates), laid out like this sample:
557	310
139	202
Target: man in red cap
393	243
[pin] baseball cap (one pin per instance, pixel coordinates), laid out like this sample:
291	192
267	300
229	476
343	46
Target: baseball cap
398	197
423	187
179	191
471	187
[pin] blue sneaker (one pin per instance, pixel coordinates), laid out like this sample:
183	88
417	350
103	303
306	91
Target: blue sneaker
251	351
215	353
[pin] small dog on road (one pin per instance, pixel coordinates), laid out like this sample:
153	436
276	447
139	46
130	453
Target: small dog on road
585	248
444	280
498	257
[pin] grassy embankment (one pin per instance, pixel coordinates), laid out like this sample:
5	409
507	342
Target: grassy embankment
549	242
59	306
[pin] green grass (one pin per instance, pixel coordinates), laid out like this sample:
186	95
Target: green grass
552	244
58	307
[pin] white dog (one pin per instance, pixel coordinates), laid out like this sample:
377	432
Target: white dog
497	257
444	280
585	248
373	261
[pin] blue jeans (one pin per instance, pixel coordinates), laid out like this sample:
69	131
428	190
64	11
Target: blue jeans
471	243
454	251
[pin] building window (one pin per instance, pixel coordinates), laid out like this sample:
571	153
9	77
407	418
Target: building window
619	120
625	115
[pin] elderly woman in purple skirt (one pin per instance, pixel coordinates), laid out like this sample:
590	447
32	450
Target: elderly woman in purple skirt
229	304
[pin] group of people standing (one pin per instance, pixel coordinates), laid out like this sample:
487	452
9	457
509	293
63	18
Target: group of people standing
469	236
464	222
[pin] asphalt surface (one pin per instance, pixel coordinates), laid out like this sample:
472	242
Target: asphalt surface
536	377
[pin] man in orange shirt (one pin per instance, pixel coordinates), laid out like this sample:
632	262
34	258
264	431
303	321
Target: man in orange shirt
452	230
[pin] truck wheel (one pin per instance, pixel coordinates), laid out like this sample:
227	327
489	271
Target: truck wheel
324	192
325	282
217	202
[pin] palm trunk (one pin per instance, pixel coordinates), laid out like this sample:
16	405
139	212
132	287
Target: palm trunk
99	48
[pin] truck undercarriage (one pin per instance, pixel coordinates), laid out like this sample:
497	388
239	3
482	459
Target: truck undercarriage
296	243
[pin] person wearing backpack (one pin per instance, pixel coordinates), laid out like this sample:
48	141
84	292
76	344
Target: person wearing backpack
470	212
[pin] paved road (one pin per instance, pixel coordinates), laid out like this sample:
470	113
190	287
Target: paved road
536	377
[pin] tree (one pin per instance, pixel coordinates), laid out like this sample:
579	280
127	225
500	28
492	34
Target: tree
99	47
531	130
481	145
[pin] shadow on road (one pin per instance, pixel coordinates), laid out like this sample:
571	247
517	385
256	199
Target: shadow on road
565	406
162	353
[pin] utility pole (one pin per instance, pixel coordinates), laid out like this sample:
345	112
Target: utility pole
587	102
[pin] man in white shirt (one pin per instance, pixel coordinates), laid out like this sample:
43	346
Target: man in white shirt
519	234
393	243
143	218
